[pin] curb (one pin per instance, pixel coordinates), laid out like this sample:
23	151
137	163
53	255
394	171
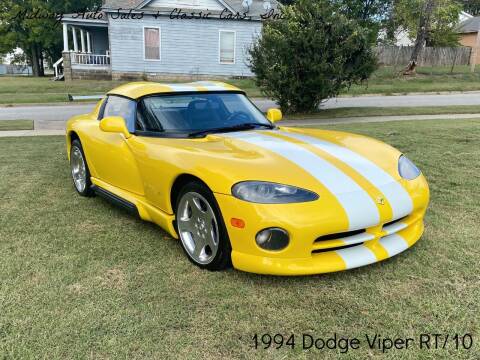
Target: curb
25	133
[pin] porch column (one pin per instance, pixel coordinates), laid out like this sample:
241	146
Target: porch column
75	42
82	40
89	44
65	37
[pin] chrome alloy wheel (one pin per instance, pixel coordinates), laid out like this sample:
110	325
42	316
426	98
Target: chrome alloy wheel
198	228
79	171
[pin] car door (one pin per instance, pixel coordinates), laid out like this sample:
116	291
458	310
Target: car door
111	153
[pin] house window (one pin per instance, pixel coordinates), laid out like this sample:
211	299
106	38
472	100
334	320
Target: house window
227	47
152	43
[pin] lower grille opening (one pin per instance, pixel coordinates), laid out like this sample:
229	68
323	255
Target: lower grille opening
339	235
335	248
394	221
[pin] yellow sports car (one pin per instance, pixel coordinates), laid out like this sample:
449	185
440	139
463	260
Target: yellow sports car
202	162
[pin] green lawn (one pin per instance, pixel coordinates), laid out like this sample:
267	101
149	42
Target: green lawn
16	125
80	278
347	112
386	80
24	90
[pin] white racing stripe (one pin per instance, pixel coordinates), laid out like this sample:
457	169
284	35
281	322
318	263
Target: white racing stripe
394	228
357	239
183	87
361	255
394	244
357	256
360	208
195	87
212	86
396	195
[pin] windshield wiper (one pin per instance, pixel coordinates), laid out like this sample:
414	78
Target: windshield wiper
240	127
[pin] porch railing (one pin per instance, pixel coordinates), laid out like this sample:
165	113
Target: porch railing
58	68
90	59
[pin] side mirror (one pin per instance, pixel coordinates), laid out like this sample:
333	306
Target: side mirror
115	124
274	115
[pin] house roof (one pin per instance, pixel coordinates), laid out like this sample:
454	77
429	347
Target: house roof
90	17
256	9
126	4
471	25
136	90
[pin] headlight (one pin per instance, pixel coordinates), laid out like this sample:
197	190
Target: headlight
270	193
407	169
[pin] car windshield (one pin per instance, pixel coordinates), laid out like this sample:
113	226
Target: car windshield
198	113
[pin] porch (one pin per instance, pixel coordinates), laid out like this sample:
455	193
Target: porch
86	50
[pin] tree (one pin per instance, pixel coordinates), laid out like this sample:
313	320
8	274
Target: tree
422	32
286	2
445	20
407	14
369	13
310	55
471	6
429	22
37	37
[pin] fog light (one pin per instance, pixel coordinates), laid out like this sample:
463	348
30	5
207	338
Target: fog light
272	239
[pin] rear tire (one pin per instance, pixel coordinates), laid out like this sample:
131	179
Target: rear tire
201	228
79	170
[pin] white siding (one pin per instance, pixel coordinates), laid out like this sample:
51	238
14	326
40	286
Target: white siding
188	46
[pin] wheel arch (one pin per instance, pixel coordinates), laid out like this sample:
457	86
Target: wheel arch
179	183
71	135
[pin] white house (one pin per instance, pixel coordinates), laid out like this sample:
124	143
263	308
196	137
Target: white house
158	38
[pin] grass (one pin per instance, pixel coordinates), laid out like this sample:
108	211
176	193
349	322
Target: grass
24	90
386	80
348	112
83	279
16	125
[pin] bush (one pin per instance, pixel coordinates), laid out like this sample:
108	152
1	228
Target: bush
310	55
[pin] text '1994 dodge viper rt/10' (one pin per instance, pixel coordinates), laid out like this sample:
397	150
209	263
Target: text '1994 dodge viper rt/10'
202	162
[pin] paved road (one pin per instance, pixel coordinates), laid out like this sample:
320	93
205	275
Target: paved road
58	127
63	112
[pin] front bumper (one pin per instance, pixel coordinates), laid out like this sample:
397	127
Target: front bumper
307	252
380	248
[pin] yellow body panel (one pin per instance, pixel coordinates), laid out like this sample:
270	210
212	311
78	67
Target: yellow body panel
143	170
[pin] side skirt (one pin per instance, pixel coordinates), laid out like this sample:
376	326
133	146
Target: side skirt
116	200
136	204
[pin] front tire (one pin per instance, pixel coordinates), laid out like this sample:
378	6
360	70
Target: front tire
201	228
79	169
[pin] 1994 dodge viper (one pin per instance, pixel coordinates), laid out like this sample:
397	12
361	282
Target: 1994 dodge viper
202	162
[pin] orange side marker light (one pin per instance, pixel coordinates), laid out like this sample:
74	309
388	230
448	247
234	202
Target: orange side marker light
238	223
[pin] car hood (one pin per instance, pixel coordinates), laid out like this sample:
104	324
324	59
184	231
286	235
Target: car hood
306	158
359	172
308	152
